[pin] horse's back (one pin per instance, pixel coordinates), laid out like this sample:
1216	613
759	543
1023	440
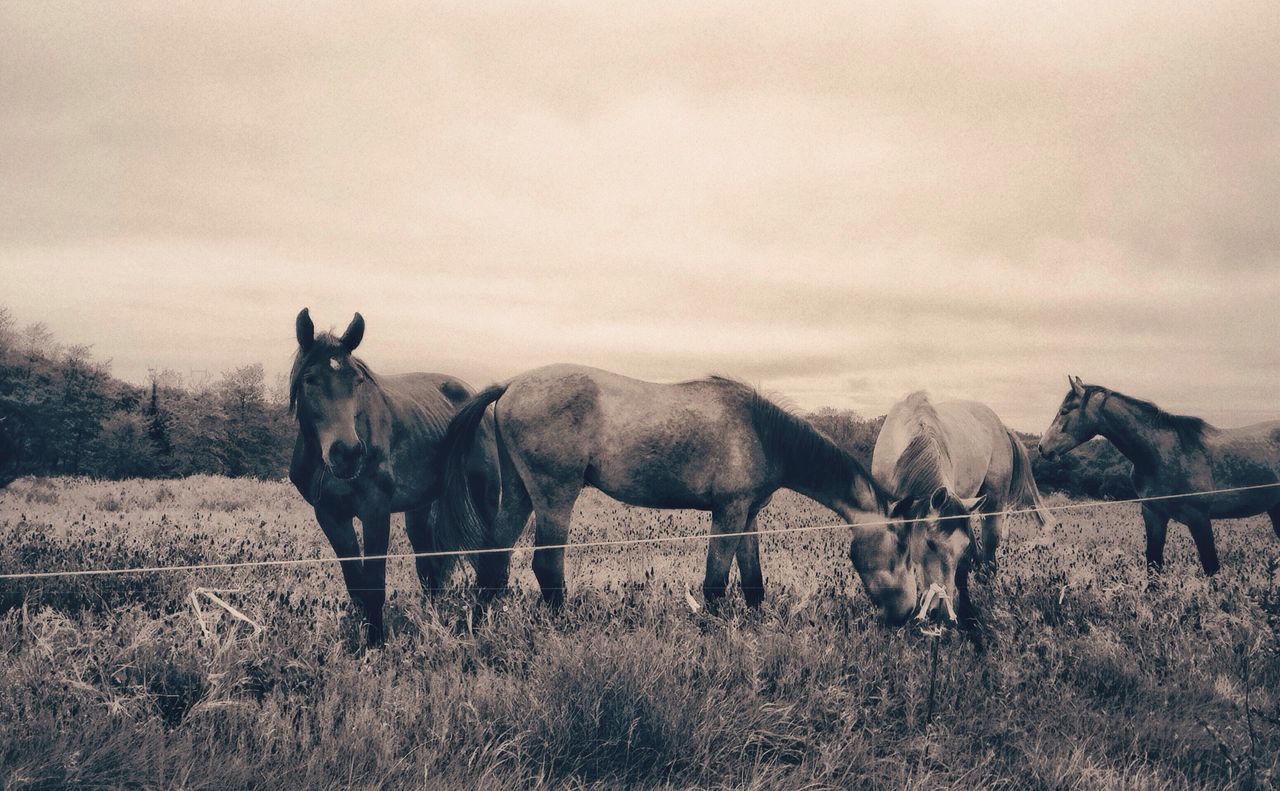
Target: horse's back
980	448
598	400
429	385
642	442
1242	457
976	442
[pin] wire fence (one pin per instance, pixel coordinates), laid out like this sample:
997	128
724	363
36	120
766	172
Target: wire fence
618	542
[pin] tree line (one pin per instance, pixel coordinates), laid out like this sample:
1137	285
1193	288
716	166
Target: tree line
62	413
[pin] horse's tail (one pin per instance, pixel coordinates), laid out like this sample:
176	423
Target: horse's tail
462	526
1023	486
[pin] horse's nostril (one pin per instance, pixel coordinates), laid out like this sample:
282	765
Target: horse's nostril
344	457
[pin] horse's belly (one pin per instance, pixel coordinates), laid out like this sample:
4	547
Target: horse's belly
651	483
1244	504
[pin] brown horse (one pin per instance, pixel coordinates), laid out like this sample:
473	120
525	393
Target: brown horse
367	447
713	445
1175	454
953	460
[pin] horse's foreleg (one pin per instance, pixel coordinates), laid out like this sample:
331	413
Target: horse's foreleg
967	614
720	551
1202	533
1157	525
377	534
420	525
992	533
1274	513
342	537
749	570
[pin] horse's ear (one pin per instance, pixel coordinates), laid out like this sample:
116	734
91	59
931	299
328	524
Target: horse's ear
973	503
1077	386
305	329
355	332
902	508
939	498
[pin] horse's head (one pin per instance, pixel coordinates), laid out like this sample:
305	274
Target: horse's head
944	536
908	567
1078	420
324	389
885	558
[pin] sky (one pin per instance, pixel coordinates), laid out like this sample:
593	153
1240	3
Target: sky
840	206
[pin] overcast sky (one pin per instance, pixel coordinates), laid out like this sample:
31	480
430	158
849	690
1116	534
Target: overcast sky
973	198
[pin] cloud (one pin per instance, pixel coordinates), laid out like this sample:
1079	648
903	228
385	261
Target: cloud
974	198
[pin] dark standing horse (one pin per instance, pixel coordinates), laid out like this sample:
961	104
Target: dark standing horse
953	460
9	447
713	445
1174	454
367	448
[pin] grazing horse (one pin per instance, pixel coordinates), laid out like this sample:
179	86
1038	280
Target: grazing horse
953	460
713	444
367	447
1176	454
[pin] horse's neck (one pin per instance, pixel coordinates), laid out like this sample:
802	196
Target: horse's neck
844	494
1137	439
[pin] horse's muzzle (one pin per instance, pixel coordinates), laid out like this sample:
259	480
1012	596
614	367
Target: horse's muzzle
346	462
936	606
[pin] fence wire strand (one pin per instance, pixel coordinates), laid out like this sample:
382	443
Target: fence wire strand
617	542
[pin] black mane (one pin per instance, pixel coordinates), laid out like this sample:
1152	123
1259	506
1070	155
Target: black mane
800	446
1191	431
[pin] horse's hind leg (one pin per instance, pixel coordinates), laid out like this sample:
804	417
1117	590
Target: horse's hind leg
720	551
420	525
551	531
749	570
493	569
510	514
1202	533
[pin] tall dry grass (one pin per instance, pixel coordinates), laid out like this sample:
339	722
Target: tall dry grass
1086	678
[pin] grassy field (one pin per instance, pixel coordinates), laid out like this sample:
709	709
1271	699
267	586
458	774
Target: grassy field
1088	678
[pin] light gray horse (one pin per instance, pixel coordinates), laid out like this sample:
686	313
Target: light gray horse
953	460
1175	454
714	445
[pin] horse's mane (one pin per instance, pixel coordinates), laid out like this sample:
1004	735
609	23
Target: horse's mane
325	345
919	468
799	445
1190	430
